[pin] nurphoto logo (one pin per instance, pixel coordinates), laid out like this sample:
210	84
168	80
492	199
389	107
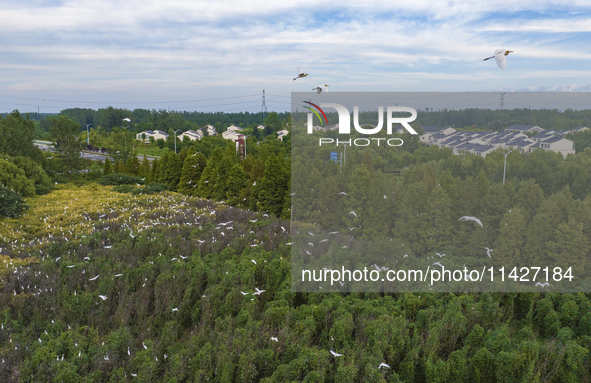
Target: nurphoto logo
345	123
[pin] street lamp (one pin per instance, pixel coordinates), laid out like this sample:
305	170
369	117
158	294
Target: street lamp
87	134
175	140
505	166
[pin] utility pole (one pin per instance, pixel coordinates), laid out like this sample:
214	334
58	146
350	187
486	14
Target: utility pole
87	134
505	166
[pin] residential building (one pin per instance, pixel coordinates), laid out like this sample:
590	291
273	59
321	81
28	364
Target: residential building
193	135
211	130
234	128
281	134
558	144
231	135
157	134
524	129
483	143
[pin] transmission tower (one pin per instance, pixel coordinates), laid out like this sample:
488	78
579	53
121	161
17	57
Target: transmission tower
502	106
264	106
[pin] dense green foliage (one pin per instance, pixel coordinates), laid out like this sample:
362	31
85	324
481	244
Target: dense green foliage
12	204
100	286
174	310
64	132
120	179
582	140
16	136
15	178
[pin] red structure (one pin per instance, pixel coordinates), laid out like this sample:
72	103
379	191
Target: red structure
240	146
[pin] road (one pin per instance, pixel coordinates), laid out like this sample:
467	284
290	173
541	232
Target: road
46	145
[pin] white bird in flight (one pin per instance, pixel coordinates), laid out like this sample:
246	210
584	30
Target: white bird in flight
335	354
321	88
275	339
468	218
94	279
383	365
103	297
542	285
488	251
301	74
500	57
258	292
352	212
175	309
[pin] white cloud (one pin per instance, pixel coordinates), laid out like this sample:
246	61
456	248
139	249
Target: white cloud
173	50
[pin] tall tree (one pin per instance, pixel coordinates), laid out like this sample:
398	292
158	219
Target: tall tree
272	189
193	167
67	144
16	136
121	144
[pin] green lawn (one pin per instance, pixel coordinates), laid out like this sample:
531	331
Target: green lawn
153	151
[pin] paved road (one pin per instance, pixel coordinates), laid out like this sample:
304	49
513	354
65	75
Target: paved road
48	146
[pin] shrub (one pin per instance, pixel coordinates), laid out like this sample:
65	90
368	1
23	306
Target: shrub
124	188
11	203
15	179
33	171
120	179
150	189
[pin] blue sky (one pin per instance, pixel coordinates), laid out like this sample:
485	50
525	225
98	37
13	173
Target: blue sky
220	55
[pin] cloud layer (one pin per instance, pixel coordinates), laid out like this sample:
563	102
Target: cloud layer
172	54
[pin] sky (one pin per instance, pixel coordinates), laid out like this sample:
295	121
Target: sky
221	55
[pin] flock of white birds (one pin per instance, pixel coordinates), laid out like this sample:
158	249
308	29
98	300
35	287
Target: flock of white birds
138	215
499	56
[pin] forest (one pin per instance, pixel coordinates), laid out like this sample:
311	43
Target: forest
180	269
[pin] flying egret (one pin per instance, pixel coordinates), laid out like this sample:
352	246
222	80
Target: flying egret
352	212
94	279
258	292
335	354
468	218
500	57
383	365
275	339
103	297
301	74
488	251
542	285
321	88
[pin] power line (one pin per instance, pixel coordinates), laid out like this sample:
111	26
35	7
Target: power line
134	102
